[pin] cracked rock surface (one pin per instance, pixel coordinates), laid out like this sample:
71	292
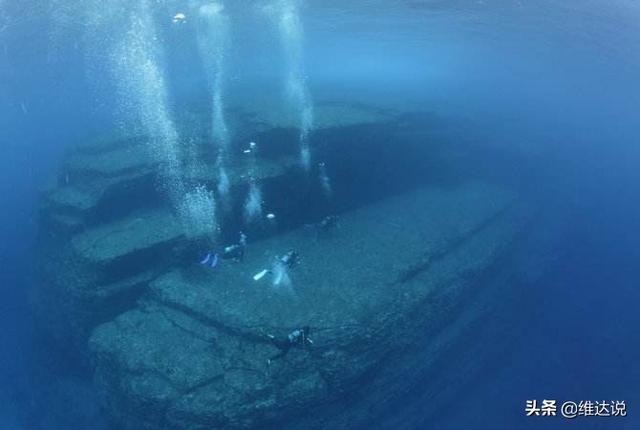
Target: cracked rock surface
193	354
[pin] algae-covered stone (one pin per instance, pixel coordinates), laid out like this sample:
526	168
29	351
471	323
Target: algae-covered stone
179	367
326	114
403	265
342	276
89	201
239	170
138	233
118	161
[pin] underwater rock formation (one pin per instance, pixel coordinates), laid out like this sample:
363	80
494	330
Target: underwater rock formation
194	353
107	229
420	258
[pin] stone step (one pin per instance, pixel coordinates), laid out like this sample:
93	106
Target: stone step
374	248
102	185
84	199
64	223
119	161
108	185
257	113
141	232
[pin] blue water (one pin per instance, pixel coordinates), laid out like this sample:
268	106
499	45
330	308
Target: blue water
554	82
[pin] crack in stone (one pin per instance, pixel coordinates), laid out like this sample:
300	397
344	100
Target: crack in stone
185	329
202	384
426	262
228	330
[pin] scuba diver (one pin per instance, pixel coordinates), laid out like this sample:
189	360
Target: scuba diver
280	268
235	252
298	338
291	259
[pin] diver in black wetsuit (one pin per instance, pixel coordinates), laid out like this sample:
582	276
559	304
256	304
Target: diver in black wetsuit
290	259
280	267
236	251
299	338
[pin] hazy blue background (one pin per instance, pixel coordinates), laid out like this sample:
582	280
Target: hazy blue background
554	80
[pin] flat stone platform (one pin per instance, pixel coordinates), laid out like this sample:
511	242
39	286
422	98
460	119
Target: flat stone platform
193	354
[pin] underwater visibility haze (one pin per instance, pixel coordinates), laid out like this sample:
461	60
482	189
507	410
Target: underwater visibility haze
319	214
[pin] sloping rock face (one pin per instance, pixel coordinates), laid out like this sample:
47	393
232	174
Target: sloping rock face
391	280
